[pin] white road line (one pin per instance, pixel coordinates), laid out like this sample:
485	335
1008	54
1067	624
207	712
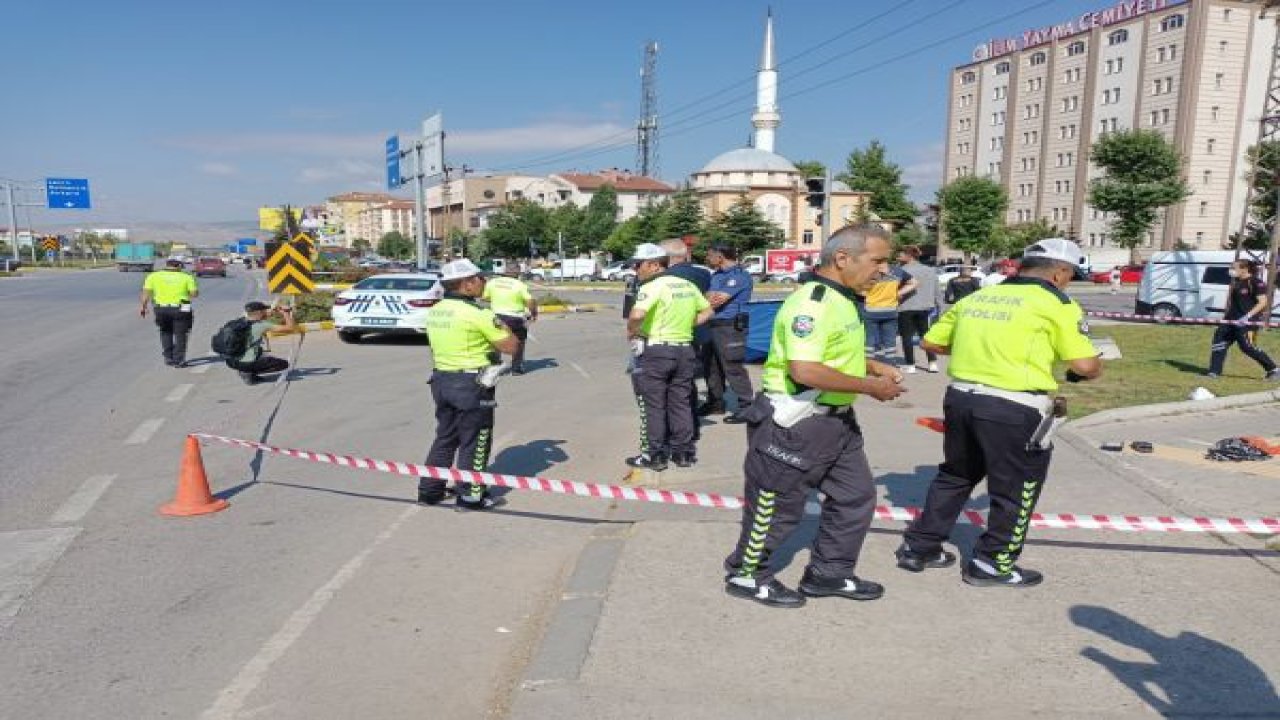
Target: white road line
26	557
1194	441
82	500
232	698
178	393
201	369
581	372
144	431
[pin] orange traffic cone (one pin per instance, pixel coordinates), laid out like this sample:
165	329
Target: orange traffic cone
193	497
933	423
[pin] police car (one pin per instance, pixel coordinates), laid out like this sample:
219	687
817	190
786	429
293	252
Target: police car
389	303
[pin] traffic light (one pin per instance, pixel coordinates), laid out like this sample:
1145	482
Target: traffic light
816	191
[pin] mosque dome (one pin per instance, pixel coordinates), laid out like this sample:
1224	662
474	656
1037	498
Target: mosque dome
748	160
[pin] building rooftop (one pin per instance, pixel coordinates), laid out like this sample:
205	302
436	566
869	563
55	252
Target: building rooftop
748	160
621	181
363	197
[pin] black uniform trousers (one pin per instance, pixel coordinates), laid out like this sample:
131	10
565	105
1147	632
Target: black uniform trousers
663	383
517	326
782	466
464	430
1226	336
726	351
913	323
986	437
175	327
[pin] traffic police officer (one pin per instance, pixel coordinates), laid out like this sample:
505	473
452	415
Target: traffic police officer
729	294
171	291
466	340
510	299
802	433
1003	341
660	329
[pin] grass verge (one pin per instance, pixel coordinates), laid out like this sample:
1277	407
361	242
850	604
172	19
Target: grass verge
1163	363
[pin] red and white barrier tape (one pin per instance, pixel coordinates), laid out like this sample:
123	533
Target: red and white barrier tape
1064	521
1173	320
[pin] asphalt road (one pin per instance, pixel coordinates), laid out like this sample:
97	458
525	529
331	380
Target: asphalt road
327	593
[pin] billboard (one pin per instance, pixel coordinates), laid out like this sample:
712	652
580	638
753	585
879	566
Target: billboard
271	218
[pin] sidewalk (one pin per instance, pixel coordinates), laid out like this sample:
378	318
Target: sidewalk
1126	625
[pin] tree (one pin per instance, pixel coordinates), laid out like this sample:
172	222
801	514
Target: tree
519	229
971	208
288	227
1141	174
682	214
1265	163
599	218
361	246
1013	239
870	171
567	221
811	168
743	227
395	246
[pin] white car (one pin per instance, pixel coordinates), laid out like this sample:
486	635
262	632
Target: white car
947	273
390	303
618	271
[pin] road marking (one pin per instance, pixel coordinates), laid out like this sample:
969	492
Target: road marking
232	698
201	369
26	557
1198	442
144	431
581	372
178	393
82	500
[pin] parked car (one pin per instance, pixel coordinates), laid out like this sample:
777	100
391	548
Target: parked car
388	303
1129	275
209	266
947	273
621	270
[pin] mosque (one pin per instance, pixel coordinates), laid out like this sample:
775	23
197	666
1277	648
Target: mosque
768	179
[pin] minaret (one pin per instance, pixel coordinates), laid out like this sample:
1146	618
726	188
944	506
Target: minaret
766	118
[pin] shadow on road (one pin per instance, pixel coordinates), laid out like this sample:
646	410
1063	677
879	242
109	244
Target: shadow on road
530	459
532	366
304	373
1189	675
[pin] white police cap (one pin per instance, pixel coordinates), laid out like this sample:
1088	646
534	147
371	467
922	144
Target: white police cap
648	251
458	269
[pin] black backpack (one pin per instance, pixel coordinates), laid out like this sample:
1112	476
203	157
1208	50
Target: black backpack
232	340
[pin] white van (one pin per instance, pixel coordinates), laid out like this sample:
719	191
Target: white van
1189	284
584	269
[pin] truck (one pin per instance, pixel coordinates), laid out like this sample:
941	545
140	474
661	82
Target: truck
135	256
584	269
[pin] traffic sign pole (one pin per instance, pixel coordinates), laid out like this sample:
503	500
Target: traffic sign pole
13	221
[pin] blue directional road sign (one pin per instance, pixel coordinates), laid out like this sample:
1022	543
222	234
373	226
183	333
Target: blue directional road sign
393	162
67	193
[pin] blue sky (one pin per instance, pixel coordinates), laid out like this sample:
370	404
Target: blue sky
204	111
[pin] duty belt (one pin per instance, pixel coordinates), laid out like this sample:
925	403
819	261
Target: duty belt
721	322
835	410
468	371
1038	401
673	343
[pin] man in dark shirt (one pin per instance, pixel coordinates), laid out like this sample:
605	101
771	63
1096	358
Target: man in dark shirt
1247	302
960	286
678	264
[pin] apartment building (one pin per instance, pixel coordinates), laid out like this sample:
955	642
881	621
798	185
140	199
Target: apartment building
1027	108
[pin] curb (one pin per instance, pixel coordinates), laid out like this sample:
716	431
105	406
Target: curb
1182	407
585	307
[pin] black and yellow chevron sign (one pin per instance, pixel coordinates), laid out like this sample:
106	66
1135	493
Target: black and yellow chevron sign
289	268
50	244
303	242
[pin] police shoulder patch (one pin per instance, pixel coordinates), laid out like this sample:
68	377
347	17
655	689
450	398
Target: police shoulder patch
642	296
497	323
1083	326
802	326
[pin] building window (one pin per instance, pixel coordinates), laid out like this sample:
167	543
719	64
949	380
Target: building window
1199	239
1204	208
968	78
1002	68
1213	112
1208	145
808	237
1208	177
1173	53
1164	116
1038	58
1075	48
1222	47
1160	54
1173	22
1117	37
1000	93
1217	80
1071	157
1226	15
